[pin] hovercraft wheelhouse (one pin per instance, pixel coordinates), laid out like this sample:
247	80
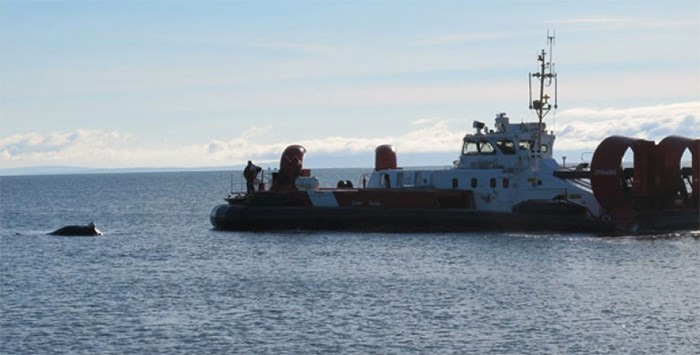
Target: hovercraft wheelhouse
504	170
505	179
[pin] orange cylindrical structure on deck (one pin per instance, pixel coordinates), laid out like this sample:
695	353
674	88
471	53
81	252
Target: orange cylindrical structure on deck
670	151
606	174
385	157
292	161
291	165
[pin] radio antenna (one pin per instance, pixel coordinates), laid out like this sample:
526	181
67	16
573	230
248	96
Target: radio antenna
546	75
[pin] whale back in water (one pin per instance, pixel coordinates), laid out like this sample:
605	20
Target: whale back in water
88	230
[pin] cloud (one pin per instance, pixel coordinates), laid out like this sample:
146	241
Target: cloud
638	23
79	142
583	128
591	20
100	149
423	121
577	130
83	147
256	131
455	38
302	47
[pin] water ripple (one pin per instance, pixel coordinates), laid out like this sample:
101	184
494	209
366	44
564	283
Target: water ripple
161	281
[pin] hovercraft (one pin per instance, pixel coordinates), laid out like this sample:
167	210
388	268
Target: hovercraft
504	180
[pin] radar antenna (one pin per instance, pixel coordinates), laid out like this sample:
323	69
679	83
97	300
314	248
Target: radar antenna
546	76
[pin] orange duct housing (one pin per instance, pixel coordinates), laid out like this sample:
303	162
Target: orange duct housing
607	179
670	152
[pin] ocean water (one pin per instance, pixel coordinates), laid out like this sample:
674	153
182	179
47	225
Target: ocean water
162	281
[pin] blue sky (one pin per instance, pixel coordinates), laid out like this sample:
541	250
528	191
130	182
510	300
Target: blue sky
111	84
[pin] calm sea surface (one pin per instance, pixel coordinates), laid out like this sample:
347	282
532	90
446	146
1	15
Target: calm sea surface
161	281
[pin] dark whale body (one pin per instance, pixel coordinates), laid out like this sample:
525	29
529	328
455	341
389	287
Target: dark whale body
88	230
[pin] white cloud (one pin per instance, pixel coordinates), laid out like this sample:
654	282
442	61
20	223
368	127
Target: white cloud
423	121
591	20
308	48
99	149
583	129
628	22
455	38
79	142
577	130
256	131
90	148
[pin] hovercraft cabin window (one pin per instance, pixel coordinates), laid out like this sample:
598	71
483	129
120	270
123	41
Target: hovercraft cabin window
476	148
506	146
525	145
470	148
486	148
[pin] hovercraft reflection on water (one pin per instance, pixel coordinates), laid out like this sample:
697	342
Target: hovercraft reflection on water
505	179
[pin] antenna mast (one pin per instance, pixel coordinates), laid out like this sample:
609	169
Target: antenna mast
545	76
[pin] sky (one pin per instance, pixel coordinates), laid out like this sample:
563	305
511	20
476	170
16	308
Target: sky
129	84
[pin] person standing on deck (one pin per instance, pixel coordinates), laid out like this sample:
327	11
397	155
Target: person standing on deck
250	173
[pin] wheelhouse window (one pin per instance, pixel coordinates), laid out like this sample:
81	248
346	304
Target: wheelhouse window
478	147
486	148
471	148
525	145
506	146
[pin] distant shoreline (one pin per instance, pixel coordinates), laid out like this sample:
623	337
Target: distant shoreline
48	171
74	170
67	170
